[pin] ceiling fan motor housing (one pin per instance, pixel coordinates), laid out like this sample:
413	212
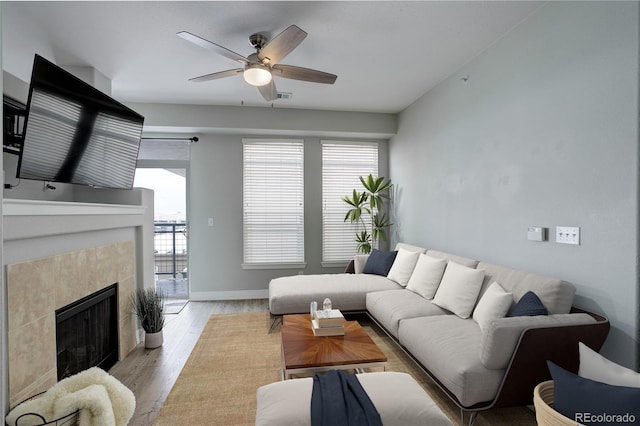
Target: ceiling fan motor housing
258	41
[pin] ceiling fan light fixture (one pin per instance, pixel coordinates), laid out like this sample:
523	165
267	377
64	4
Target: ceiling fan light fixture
257	75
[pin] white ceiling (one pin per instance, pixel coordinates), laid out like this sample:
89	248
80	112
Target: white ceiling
386	54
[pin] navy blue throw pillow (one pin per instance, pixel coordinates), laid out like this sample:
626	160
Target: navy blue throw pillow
529	305
593	403
379	262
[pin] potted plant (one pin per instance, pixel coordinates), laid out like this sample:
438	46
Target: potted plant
369	202
148	305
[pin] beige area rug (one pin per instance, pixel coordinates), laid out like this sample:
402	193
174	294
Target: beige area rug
235	355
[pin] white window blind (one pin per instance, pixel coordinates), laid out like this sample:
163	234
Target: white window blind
342	165
273	196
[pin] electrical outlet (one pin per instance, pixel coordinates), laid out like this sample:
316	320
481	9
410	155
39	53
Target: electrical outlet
210	222
568	235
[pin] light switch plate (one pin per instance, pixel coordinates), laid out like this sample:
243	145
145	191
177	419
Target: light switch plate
536	233
568	235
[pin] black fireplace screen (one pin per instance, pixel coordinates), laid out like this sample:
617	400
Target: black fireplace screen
87	333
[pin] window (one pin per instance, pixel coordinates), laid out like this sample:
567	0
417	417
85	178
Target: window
273	203
342	165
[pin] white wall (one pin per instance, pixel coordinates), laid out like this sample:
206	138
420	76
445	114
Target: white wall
545	132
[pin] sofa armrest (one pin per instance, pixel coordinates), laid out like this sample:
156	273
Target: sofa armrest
528	366
501	336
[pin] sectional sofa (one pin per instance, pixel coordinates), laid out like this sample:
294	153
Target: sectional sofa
481	331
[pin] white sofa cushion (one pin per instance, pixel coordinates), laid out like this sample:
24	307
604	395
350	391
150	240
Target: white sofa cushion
426	276
501	335
595	367
359	260
459	289
392	306
292	295
398	398
448	347
471	263
403	266
410	247
494	303
555	294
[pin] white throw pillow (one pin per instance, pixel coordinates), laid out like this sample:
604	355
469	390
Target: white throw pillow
459	289
359	260
494	304
426	276
594	366
403	265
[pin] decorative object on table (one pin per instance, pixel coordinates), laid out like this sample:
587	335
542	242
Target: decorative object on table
328	323
326	305
94	396
369	202
148	304
313	308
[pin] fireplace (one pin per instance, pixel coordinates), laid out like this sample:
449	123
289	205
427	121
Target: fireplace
87	333
39	289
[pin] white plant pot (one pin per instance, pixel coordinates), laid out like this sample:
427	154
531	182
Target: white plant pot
153	340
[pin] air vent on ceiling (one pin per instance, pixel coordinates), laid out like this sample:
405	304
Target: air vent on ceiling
284	95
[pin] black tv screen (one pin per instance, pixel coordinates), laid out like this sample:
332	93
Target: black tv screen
76	134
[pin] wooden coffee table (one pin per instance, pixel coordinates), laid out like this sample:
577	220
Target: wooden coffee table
303	352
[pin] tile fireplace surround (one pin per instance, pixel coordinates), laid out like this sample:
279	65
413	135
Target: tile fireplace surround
35	289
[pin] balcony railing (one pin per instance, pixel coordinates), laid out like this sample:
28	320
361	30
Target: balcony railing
170	248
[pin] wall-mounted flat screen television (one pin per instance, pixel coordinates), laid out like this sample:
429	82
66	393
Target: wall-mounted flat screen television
76	134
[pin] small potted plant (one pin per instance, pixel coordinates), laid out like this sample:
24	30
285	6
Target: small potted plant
148	305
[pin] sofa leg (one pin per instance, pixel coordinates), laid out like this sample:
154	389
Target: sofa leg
472	417
275	319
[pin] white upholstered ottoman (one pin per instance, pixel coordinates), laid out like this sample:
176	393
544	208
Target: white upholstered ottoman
399	399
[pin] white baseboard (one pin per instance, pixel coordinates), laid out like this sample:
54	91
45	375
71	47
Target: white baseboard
229	295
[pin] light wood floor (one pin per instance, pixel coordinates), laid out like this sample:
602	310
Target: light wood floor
150	374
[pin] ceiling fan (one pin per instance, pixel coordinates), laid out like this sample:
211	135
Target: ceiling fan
260	67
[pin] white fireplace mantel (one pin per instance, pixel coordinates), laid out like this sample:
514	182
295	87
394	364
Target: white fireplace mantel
24	219
14	207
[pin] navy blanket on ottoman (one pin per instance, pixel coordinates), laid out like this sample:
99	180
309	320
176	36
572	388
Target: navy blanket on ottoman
338	399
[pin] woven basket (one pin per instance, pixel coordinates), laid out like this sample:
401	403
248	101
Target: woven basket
543	403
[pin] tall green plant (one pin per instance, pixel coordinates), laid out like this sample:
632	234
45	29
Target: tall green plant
369	203
148	305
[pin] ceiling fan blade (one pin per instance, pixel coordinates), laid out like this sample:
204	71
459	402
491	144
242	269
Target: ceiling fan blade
269	91
216	75
281	45
304	74
199	41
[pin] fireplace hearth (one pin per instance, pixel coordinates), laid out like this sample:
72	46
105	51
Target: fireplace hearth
87	333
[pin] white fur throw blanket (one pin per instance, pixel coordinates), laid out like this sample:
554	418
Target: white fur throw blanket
100	397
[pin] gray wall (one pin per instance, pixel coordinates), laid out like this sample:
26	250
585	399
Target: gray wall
544	132
216	192
215	183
